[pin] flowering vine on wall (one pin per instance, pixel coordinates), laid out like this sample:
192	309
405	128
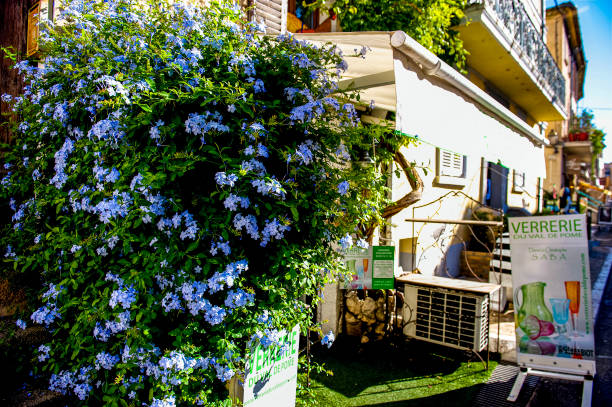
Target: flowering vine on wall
177	185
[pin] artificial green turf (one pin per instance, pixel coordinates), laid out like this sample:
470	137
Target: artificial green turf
411	374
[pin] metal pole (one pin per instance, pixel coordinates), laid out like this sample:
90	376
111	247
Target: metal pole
457	221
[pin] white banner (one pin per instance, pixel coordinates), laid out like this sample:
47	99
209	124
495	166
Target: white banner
271	378
552	293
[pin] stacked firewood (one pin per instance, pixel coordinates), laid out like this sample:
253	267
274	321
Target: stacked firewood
367	314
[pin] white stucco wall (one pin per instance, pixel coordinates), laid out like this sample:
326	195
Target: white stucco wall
442	117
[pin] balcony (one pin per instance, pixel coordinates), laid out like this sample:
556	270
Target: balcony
509	52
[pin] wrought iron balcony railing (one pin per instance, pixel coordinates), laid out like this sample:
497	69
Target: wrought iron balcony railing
512	19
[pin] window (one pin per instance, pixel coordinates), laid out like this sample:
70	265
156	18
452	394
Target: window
451	168
518	185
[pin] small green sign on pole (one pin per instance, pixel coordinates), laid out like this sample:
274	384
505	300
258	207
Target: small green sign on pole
383	261
371	268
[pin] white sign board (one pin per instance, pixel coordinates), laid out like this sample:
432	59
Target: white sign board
271	378
552	293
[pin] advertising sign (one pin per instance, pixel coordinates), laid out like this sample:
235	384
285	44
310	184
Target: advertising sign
271	377
552	293
371	268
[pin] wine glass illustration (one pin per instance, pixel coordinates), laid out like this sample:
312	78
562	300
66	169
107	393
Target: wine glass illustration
560	309
361	274
572	291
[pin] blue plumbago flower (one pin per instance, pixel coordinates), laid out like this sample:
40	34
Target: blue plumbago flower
303	153
112	277
232	202
273	230
225	179
45	315
262	150
21	324
75	248
102	251
200	124
37	239
175	361
61	113
154	131
169	401
52	292
343	187
65	381
36	174
231	109
157	204
342	152
113	175
226	278
123	296
249	150
220	245
193	294
269	337
6	97
264	318
43	353
103	331
82	390
256	130
362	243
107	129
106	361
108	209
112	241
239	298
136	181
6	181
346	242
301	60
171	302
191	226
269	186
249	223
224	373
60	178
258	86
328	339
214	315
26	161
253	165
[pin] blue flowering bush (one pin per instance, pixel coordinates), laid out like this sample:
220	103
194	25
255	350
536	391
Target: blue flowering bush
179	185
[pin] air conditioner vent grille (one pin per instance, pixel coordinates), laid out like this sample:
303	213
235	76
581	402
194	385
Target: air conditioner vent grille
450	318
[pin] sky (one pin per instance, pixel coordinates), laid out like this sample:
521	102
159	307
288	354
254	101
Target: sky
595	19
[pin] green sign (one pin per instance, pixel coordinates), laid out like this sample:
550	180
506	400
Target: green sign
371	268
383	261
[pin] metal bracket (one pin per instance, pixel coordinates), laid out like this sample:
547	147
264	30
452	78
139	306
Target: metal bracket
587	388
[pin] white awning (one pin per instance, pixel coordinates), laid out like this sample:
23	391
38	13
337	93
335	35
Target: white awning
433	101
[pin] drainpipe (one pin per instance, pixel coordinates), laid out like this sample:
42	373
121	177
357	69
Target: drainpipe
434	66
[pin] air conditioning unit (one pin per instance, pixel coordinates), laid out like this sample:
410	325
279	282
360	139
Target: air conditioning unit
446	317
